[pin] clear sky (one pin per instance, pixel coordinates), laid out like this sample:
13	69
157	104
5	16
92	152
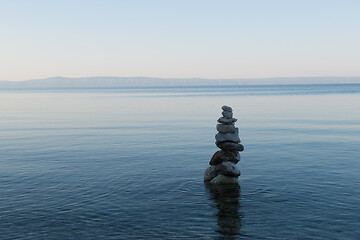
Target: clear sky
179	38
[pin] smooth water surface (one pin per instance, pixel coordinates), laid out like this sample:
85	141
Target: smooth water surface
129	163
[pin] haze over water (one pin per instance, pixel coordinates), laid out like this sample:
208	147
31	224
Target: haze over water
129	163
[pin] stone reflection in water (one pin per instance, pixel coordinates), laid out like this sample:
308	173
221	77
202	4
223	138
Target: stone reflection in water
226	198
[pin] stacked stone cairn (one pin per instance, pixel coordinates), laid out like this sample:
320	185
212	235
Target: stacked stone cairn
222	168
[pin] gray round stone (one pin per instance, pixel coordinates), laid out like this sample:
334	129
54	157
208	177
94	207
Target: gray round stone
226	169
221	128
227	114
231	137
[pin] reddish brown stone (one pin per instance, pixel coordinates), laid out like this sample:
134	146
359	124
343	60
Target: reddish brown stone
225	156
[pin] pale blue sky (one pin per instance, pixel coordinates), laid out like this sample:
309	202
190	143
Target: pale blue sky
183	38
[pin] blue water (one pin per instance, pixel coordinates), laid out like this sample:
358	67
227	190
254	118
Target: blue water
129	163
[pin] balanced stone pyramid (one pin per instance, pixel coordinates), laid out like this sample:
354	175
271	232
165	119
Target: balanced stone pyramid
223	168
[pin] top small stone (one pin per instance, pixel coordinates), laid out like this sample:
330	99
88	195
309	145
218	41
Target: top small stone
226	108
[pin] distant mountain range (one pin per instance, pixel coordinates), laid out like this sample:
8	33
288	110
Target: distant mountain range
119	82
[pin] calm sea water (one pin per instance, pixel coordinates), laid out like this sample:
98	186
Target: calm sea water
129	163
